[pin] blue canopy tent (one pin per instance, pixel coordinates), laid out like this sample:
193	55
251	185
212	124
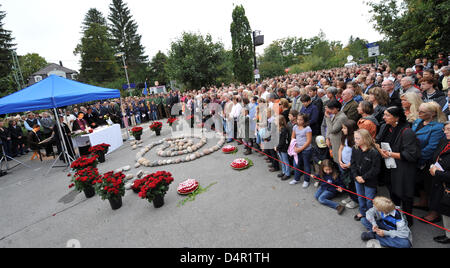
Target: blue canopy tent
54	92
51	93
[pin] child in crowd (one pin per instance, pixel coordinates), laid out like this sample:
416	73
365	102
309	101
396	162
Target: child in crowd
329	175
282	149
302	133
345	158
365	167
153	111
290	125
387	225
320	152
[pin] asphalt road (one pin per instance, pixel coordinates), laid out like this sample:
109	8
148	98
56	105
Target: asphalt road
246	209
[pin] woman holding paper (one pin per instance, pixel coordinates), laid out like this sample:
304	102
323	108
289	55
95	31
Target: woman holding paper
405	150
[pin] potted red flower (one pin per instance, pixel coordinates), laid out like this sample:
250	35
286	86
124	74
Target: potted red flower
111	186
84	181
100	150
171	120
137	184
84	162
156	127
155	187
137	132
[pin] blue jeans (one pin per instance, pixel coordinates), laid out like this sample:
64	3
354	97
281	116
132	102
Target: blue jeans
304	163
387	241
324	196
154	116
364	203
284	157
138	119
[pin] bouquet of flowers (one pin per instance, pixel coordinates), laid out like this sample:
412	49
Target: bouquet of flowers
171	120
187	187
101	148
241	164
84	162
110	186
137	184
136	131
156	126
229	149
78	133
85	178
156	184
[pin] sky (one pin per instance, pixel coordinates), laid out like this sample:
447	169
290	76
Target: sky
52	28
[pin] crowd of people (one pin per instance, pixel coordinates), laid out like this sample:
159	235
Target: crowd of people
357	129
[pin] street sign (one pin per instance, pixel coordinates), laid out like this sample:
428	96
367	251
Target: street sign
257	76
373	49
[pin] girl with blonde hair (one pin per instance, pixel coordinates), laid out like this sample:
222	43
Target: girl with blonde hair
365	167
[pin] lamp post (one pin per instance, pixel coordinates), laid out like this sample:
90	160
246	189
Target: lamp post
121	54
125	120
258	40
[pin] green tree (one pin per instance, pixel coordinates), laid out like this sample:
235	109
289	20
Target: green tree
158	69
7	84
272	61
242	46
125	39
31	63
195	60
412	28
98	64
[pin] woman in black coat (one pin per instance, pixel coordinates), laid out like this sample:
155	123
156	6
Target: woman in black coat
406	153
441	182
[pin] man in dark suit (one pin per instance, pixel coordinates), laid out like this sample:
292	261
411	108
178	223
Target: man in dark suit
394	96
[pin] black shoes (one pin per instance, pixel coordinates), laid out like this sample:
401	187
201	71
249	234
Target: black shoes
443	239
367	236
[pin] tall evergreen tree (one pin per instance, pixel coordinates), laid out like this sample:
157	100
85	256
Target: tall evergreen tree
98	64
158	69
241	36
6	47
123	30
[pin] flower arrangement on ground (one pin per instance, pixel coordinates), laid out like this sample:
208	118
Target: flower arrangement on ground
137	184
84	162
84	180
111	186
171	120
155	187
100	150
137	132
229	149
241	163
187	187
156	127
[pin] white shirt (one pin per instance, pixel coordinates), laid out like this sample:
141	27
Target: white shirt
236	110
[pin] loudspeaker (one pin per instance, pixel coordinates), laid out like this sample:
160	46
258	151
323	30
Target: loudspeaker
259	40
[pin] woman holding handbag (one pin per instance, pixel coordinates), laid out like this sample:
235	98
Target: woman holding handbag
441	176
